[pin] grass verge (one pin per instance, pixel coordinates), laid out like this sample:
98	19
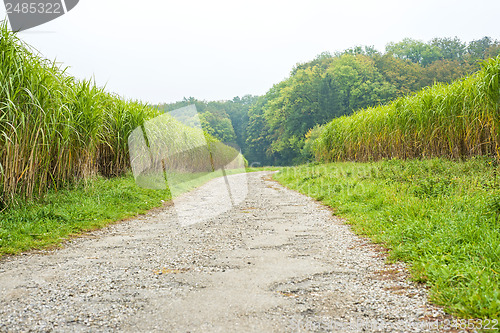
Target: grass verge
85	206
440	216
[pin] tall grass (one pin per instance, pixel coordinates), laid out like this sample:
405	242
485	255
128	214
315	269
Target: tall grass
455	120
55	129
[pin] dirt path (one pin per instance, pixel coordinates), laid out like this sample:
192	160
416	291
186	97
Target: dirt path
278	262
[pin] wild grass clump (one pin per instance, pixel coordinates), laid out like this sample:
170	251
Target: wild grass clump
457	120
55	129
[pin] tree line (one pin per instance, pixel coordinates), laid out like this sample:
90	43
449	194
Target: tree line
273	129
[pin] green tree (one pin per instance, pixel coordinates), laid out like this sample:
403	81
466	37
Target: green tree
258	134
445	71
403	75
414	50
363	50
273	129
218	126
478	49
238	111
359	83
450	48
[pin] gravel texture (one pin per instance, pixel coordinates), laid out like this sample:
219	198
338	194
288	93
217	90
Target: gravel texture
277	262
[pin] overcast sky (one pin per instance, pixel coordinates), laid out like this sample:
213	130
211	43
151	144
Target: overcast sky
162	51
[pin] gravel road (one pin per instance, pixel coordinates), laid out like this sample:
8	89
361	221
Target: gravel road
277	262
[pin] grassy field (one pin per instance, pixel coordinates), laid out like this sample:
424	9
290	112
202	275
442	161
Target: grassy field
441	217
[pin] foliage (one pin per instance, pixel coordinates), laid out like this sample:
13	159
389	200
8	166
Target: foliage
225	120
414	50
258	134
218	126
457	120
314	95
333	86
452	49
311	140
271	129
439	216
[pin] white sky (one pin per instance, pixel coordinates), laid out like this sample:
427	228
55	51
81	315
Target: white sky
162	51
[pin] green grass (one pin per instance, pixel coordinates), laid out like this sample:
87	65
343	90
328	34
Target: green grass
440	216
87	206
